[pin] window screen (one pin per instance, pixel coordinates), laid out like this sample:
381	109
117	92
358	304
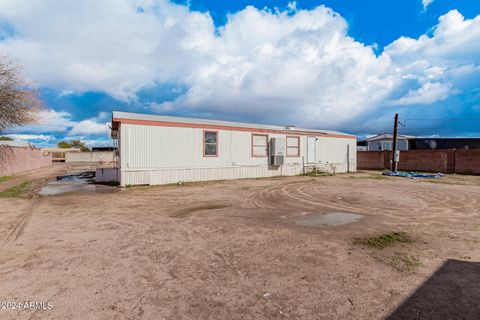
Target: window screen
293	146
210	143
259	145
386	146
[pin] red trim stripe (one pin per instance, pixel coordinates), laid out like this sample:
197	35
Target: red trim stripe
222	127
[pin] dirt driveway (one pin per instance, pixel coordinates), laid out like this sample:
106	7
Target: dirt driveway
235	250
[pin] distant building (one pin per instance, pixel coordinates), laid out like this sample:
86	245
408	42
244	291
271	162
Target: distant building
58	154
103	149
385	142
444	143
361	145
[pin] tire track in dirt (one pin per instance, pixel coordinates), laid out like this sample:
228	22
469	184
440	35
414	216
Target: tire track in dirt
442	201
420	205
428	205
21	222
295	197
323	199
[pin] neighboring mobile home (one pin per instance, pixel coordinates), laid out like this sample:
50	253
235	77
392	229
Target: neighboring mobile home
384	142
155	149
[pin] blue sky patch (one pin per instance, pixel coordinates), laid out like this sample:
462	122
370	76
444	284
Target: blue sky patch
268	61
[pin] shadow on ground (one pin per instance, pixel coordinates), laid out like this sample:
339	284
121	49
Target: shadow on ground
452	292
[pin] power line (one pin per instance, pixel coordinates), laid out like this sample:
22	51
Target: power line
434	128
404	123
443	119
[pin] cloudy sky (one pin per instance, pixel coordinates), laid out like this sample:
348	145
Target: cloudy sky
331	64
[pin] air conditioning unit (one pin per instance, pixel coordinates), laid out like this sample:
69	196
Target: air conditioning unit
277	151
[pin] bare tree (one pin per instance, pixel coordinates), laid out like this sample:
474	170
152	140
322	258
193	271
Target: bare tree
18	104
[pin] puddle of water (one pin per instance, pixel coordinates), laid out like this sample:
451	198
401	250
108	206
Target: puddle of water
78	182
328	219
81	177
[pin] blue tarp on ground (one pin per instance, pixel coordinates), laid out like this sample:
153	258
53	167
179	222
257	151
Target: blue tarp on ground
414	175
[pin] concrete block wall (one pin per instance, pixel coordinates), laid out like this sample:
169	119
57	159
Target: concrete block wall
446	161
102	157
371	160
15	160
425	160
467	161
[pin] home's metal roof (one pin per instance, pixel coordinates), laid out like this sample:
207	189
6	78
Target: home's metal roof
151	117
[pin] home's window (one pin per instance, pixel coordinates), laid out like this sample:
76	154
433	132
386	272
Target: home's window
259	145
210	143
386	145
293	146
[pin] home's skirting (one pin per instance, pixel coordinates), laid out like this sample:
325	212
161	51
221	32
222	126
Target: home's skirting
176	175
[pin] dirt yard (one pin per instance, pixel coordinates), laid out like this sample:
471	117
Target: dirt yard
235	249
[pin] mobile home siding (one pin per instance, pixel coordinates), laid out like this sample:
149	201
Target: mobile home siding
162	155
332	154
375	145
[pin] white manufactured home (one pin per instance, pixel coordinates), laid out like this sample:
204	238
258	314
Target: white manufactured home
155	149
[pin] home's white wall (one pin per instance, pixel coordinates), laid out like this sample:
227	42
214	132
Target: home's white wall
159	155
152	147
332	153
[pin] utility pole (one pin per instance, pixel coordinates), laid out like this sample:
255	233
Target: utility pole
394	144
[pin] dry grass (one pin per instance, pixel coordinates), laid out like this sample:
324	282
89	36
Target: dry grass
400	261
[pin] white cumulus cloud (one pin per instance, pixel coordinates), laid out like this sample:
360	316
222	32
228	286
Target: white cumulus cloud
428	93
61	122
290	66
47	121
89	127
29	137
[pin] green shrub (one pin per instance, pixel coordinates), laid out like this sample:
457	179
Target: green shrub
15	191
384	240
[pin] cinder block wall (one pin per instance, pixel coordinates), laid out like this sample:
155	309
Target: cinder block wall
103	157
372	160
446	161
467	161
15	160
424	160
